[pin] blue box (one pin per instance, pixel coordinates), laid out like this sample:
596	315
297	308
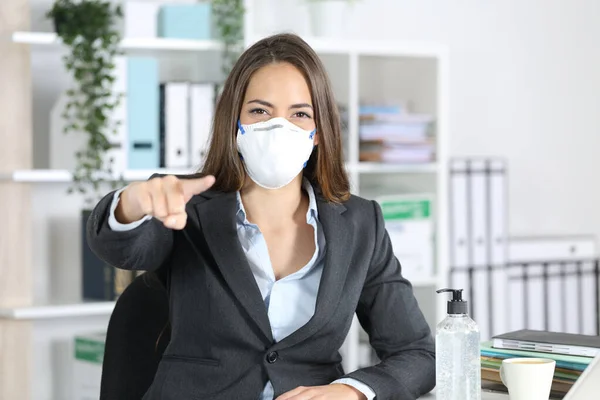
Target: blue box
185	21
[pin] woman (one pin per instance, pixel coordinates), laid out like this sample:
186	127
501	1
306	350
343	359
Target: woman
268	256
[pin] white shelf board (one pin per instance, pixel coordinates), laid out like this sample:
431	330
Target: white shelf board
381	168
49	311
64	176
158	44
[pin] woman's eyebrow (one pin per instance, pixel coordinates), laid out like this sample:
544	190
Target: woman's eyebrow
261	102
267	104
300	105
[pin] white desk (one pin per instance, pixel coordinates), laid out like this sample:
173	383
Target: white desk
485	395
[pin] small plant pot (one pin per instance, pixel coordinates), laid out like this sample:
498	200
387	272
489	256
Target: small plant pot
59	21
328	18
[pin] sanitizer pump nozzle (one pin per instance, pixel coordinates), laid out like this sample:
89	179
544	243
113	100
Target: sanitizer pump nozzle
457	305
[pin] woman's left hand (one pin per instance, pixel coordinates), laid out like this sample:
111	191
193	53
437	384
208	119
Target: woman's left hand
328	392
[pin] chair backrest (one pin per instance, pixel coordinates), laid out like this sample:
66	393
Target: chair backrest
137	335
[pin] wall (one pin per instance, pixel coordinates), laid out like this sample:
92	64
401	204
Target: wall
524	84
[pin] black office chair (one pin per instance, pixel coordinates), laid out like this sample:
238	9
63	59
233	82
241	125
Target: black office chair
138	333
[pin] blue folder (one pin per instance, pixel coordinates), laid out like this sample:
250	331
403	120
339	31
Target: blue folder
143	113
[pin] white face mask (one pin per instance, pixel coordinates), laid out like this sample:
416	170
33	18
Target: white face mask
274	151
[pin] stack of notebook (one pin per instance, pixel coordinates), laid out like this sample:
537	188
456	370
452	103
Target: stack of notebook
572	353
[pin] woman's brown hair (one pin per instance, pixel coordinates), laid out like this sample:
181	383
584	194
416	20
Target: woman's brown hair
325	168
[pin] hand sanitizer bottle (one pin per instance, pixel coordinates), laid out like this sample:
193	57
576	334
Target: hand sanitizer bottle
458	357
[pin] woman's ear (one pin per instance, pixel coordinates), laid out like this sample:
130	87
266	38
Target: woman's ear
316	139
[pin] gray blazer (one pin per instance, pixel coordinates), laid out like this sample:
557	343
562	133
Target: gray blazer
221	344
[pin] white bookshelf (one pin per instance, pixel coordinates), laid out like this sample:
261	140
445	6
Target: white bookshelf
58	311
415	70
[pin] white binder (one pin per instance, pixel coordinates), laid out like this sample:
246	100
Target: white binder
459	254
459	251
176	109
478	239
140	19
498	241
202	107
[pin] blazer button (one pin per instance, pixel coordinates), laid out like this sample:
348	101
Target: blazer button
272	357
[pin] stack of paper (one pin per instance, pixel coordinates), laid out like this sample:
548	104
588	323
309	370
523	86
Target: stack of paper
391	135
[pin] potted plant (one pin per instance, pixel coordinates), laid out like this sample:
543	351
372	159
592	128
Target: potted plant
328	17
88	29
229	21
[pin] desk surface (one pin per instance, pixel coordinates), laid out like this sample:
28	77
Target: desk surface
491	391
485	395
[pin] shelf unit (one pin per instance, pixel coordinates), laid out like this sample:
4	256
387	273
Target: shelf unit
348	62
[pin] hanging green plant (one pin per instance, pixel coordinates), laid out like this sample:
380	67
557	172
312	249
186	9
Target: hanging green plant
89	30
229	21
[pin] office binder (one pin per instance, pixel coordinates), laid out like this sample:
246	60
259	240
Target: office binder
498	240
478	239
459	254
143	113
460	273
202	108
140	19
177	120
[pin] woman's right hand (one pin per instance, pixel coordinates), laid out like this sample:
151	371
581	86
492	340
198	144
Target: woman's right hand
163	198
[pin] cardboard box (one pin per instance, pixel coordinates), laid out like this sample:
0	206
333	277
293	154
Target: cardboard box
410	225
87	365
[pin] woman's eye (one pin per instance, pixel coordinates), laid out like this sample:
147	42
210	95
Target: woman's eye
302	114
258	111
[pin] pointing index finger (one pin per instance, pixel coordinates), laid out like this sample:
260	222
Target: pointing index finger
196	186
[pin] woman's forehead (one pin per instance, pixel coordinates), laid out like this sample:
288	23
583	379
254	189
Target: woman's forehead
280	81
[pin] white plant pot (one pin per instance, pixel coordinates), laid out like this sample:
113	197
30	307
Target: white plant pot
328	18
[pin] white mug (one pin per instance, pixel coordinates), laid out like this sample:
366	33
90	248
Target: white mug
528	378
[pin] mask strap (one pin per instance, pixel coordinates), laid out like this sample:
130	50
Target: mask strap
312	134
239	124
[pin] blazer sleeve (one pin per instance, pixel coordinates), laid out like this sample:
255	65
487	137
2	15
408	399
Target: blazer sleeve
389	313
145	247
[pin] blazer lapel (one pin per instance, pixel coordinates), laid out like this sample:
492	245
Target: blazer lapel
218	225
338	241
